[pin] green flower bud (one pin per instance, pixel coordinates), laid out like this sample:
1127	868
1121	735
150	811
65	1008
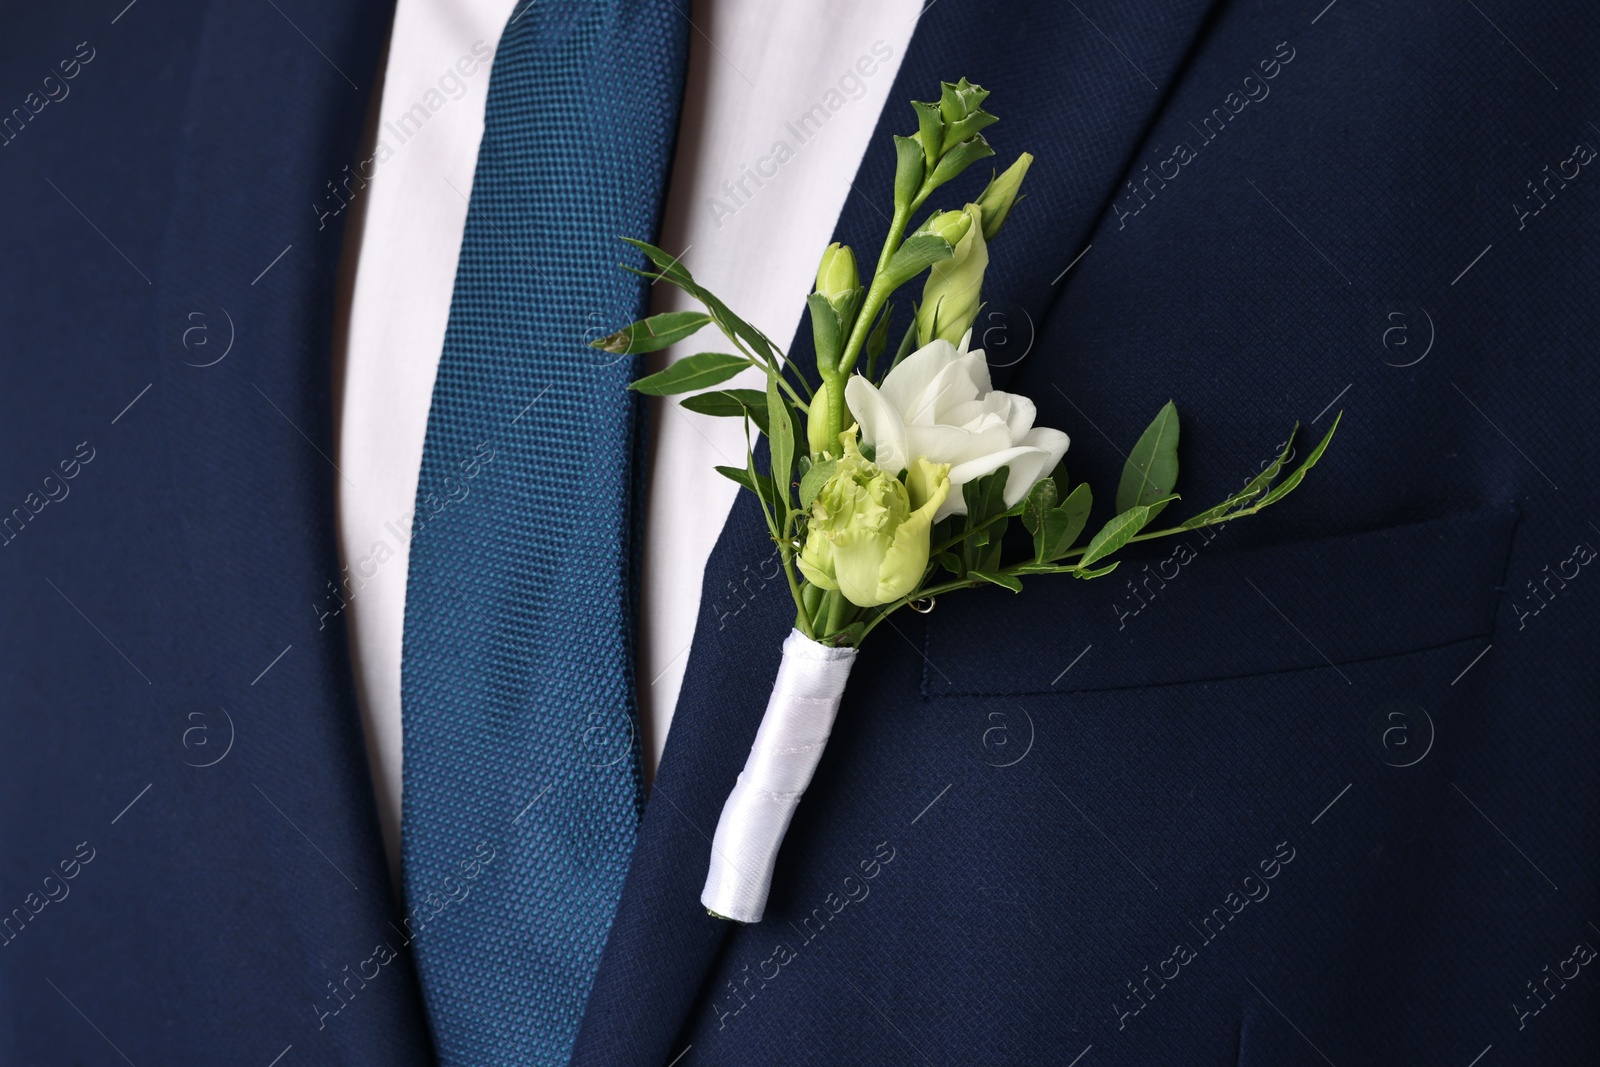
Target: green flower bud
951	225
961	107
836	275
958	100
818	437
1001	193
952	296
868	534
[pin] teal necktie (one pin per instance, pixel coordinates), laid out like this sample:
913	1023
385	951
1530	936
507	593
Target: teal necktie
522	781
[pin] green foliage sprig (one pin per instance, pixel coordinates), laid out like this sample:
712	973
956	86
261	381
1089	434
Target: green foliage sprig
850	318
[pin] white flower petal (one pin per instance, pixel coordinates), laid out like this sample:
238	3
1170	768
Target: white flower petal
1053	441
951	387
954	445
904	385
881	425
976	365
1020	415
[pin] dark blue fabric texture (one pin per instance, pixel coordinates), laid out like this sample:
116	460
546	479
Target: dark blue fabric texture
1383	692
1317	788
176	702
518	672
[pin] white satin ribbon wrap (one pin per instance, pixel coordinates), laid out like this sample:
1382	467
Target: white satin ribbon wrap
800	713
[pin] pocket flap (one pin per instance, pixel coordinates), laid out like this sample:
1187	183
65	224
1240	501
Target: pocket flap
1204	613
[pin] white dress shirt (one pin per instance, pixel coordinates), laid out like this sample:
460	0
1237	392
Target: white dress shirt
780	103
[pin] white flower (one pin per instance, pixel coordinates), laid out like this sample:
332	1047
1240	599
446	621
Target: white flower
937	404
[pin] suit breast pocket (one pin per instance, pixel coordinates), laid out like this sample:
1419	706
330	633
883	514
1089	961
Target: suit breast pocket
1208	614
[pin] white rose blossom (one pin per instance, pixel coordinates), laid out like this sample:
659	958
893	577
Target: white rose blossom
937	404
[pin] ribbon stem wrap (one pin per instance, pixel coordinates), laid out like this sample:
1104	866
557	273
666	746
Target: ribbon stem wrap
799	717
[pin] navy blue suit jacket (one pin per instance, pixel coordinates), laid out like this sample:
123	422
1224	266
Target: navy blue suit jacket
1314	788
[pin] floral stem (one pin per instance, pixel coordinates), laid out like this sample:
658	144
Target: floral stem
876	293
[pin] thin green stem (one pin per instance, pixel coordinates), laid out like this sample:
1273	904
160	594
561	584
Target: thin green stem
985	524
876	293
837	607
786	554
920	594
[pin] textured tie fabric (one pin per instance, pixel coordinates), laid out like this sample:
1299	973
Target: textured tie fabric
522	783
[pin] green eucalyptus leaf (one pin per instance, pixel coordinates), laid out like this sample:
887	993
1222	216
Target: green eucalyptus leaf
986	496
654	333
1257	485
1152	467
1059	476
731	403
1063	525
692	372
1118	532
758	484
987	558
920	252
812	481
1006	581
781	441
1244	497
1040	499
675	272
1299	472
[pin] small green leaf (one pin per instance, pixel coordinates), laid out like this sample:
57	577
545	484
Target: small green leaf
1096	572
1244	497
1008	581
1255	486
692	372
1119	531
812	481
731	403
1040	499
654	333
951	562
1063	525
675	272
781	440
908	170
915	256
760	485
986	496
827	332
930	130
1152	467
1059	476
958	159
1299	474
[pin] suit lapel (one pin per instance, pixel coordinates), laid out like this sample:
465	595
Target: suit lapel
264	171
1080	95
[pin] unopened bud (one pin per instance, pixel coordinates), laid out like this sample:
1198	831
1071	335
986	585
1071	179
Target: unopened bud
997	200
836	274
952	296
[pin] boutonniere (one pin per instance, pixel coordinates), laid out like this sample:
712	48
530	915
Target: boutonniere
891	481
